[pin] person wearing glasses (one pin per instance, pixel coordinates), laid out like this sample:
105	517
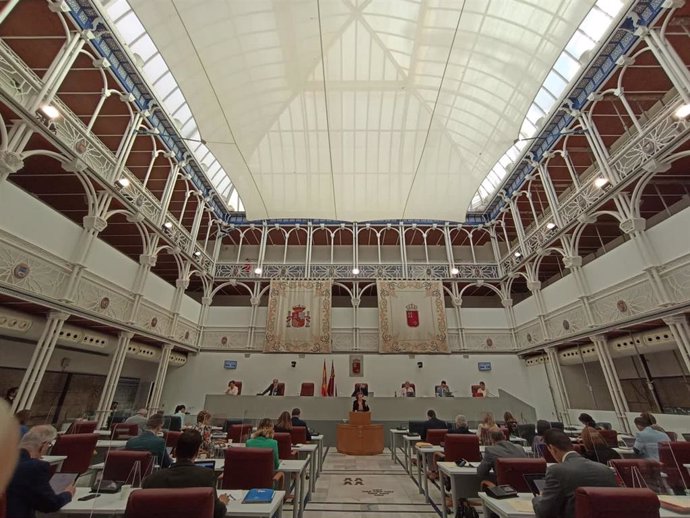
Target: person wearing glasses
29	490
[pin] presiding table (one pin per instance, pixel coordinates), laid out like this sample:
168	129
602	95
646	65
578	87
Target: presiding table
359	436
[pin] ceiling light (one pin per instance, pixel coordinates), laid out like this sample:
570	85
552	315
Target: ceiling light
168	225
550	225
355	271
50	111
454	271
197	254
517	254
682	112
258	270
600	182
123	182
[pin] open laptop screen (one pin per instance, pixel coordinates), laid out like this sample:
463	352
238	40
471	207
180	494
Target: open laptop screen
536	482
206	464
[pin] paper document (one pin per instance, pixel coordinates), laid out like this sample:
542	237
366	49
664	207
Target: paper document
522	506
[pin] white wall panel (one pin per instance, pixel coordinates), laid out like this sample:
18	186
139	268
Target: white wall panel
664	237
482	318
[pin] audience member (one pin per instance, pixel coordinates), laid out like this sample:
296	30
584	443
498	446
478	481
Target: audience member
29	490
460	425
139	419
597	449
272	389
487	426
557	499
652	420
23	418
432	423
111	414
181	412
443	390
284	423
511	424
203	426
481	390
148	440
542	426
297	421
11	395
360	404
408	390
499	448
648	439
263	438
233	390
185	474
361	387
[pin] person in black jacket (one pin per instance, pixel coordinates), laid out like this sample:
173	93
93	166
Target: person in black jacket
360	404
271	390
297	421
433	423
29	490
184	473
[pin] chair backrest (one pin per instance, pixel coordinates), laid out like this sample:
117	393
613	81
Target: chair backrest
475	389
175	423
558	424
80	426
436	436
165	503
673	455
281	389
506	433
299	434
512	471
545	453
673	436
628	469
248	468
171	439
238	384
284	444
414	387
604	426
527	432
239	432
610	436
119	464
307	389
125	430
605	502
461	446
79	448
361	386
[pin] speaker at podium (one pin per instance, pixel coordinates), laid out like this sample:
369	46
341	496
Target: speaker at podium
358	436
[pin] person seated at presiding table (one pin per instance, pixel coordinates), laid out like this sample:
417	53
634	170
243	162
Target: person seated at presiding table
443	390
360	404
271	390
29	490
499	448
432	423
297	421
284	423
487	426
407	390
648	439
557	499
460	425
149	441
542	426
203	426
139	419
184	473
263	438
232	390
481	390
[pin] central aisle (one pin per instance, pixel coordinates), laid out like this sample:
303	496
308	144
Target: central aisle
365	486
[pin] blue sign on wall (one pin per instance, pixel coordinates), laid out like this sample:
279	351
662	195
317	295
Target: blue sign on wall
230	364
484	366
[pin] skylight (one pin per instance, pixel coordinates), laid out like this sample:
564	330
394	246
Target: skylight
594	27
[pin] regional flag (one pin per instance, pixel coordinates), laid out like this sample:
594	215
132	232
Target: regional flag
332	389
324	381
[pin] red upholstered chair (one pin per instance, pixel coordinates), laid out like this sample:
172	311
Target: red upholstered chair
79	449
281	389
579	448
364	387
284	445
512	471
673	436
248	468
475	388
673	455
605	502
461	446
402	385
239	432
124	431
307	389
610	436
81	426
238	384
506	433
171	439
299	435
119	464
170	503
436	436
628	469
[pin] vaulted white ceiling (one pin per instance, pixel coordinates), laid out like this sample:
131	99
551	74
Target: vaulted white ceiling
359	109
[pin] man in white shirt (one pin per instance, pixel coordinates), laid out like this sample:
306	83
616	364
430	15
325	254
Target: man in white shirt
139	419
232	390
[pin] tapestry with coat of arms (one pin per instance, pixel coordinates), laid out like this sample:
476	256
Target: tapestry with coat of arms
412	317
299	317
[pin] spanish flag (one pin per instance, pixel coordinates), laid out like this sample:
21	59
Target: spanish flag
324	381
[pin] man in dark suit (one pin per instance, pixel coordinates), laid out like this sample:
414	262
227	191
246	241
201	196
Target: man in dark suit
184	473
432	423
272	389
572	471
148	440
499	448
29	490
297	421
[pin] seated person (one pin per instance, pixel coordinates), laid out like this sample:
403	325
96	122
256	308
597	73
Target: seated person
407	390
432	423
443	390
284	423
597	449
487	426
481	390
263	438
149	441
181	412
139	419
460	425
499	448
272	389
185	474
360	387
511	424
648	439
360	404
557	500
297	421
232	390
203	426
29	489
542	426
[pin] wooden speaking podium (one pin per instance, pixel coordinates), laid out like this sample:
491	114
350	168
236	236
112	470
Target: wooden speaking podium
359	436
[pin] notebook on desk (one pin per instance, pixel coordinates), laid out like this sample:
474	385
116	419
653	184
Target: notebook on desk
258	496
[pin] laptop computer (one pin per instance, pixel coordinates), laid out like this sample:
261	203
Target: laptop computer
536	482
628	441
206	463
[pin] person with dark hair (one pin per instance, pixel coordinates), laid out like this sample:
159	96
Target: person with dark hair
542	426
360	404
443	390
297	421
499	448
180	411
557	499
648	439
481	390
185	474
11	394
232	390
587	420
432	423
263	438
149	441
284	423
511	423
590	433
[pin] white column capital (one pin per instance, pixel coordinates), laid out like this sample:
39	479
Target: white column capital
94	223
10	162
148	260
681	319
632	225
126	335
572	261
57	315
182	284
206	301
507	302
533	286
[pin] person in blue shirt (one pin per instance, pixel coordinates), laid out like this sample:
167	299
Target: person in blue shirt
23	417
149	441
29	490
648	439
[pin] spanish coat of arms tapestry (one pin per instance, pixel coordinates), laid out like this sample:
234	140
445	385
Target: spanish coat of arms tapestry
299	317
412	317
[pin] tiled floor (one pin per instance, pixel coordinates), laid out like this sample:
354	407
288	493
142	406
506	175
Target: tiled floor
368	487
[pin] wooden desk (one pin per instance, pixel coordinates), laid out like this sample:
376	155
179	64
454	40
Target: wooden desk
359	436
